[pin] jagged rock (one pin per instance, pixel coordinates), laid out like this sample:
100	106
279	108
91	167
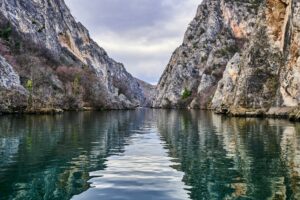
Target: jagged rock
213	37
238	57
49	26
262	74
12	94
149	92
9	79
269	75
281	112
295	114
225	93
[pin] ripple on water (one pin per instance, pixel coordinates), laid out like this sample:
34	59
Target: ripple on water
148	154
142	171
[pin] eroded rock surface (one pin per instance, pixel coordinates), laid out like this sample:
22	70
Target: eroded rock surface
46	28
13	94
238	57
218	31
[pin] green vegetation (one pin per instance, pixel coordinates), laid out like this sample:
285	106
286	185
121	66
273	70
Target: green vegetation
186	94
29	85
227	50
17	45
6	32
76	84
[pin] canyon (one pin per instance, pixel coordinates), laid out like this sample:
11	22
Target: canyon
239	58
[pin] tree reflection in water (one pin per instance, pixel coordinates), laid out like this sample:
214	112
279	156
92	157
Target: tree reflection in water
234	158
51	157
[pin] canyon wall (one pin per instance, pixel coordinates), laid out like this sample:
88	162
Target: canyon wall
239	58
52	62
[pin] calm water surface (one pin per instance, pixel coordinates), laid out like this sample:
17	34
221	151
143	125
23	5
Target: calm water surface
148	155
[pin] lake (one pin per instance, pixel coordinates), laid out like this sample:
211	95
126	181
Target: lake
148	155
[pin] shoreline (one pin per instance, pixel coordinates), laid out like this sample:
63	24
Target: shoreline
284	113
57	111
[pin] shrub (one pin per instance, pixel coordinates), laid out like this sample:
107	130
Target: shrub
68	74
6	32
29	85
186	94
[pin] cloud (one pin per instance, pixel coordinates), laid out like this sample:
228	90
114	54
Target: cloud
142	34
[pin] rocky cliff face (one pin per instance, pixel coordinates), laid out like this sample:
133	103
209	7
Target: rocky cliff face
12	93
267	75
218	31
238	57
53	58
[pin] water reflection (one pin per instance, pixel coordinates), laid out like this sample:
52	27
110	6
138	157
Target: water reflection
50	157
142	172
234	158
148	154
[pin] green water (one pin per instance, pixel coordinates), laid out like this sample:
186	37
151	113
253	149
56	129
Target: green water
148	155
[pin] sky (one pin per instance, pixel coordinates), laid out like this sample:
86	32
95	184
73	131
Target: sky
141	34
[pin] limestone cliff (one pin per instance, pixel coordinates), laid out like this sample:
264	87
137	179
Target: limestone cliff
267	75
218	31
53	59
238	57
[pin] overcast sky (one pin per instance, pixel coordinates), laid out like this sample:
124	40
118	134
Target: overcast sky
142	34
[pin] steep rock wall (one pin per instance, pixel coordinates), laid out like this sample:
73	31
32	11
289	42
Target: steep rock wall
268	77
219	30
50	27
258	74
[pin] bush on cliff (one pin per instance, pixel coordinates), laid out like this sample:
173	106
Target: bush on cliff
186	94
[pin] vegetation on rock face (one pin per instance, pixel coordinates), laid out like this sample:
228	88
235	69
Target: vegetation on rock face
227	51
29	85
257	32
246	58
199	63
186	94
50	82
67	68
5	32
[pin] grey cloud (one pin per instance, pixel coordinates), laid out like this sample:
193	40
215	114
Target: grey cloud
146	67
120	14
142	34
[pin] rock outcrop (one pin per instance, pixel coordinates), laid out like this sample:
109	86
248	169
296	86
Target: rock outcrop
238	57
268	79
13	94
59	65
218	31
8	77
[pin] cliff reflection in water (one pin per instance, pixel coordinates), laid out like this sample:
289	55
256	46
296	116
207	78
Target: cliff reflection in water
234	158
52	157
